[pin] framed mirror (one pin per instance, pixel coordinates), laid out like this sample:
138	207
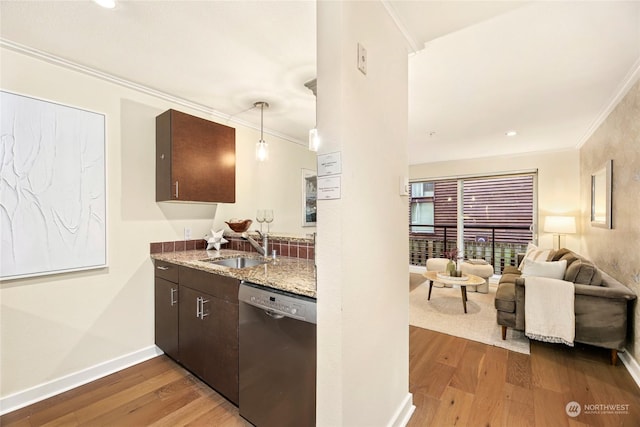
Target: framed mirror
309	197
601	182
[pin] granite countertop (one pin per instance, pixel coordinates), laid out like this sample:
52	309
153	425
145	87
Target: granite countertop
293	275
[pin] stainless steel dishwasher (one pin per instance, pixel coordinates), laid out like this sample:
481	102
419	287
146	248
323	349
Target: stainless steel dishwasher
277	357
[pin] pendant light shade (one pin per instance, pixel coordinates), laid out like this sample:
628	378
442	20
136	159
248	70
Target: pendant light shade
262	147
314	140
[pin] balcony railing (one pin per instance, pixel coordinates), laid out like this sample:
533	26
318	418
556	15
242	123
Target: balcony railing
498	245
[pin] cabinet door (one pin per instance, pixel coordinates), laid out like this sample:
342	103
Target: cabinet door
209	345
166	317
221	362
195	159
191	328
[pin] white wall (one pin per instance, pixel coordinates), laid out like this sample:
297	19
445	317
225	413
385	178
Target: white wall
362	244
58	325
558	183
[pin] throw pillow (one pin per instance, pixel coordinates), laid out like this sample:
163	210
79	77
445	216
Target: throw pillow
550	269
536	254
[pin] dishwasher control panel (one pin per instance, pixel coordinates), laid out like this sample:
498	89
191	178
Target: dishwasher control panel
275	303
278	302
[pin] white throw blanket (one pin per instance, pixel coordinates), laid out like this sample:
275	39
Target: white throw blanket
548	310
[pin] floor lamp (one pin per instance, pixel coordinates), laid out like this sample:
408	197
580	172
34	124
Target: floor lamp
560	225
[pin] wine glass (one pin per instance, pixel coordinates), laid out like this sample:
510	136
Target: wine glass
268	217
260	217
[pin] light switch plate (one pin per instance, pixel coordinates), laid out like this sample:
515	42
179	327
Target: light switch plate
362	59
404	185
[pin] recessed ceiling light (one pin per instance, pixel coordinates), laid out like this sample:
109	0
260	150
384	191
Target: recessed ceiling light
511	133
107	4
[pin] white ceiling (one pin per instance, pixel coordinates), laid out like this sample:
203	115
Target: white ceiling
548	69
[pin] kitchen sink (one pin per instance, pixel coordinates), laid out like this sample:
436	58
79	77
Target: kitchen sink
237	262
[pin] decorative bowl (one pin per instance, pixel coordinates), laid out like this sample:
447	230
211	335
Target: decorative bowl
239	226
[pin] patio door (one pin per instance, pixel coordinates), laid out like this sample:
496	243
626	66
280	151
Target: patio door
489	217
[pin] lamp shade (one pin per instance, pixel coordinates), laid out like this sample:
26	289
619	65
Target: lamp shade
560	224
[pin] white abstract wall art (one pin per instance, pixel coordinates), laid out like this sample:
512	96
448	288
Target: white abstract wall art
52	188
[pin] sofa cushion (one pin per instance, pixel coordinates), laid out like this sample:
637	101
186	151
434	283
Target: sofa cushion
550	269
509	274
506	297
559	254
565	254
583	272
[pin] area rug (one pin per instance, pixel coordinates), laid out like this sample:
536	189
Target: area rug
444	313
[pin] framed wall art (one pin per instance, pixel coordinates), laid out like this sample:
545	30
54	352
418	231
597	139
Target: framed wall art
601	196
52	188
309	197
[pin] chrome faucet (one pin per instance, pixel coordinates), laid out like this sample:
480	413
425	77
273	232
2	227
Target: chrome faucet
262	250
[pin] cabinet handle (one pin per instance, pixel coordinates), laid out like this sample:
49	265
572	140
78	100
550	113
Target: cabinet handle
174	301
200	302
202	313
176	189
162	267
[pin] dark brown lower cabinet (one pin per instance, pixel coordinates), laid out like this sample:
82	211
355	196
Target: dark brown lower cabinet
196	323
166	317
207	326
166	308
209	340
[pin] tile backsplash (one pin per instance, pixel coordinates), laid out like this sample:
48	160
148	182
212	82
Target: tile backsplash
284	246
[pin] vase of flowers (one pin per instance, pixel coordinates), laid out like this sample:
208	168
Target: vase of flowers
451	265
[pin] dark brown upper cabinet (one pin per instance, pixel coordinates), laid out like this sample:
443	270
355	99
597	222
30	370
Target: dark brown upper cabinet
195	159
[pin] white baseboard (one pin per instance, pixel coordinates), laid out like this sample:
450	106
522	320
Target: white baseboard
60	385
403	413
632	365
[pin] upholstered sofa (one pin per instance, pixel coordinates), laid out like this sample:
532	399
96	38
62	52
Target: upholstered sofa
601	302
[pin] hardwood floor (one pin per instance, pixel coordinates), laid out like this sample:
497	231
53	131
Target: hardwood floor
158	392
455	382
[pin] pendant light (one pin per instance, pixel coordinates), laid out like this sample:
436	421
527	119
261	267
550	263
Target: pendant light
262	148
314	138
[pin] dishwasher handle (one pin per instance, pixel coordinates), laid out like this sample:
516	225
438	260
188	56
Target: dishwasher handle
270	311
273	314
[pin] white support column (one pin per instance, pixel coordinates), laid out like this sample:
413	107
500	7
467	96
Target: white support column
362	243
460	223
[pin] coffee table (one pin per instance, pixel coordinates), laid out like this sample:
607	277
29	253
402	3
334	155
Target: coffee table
471	280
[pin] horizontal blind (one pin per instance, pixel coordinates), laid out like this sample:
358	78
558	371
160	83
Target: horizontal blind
504	201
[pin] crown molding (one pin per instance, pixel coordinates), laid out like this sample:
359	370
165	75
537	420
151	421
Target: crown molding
627	83
214	114
413	45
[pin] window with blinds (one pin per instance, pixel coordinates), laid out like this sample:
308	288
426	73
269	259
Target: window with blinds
498	212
